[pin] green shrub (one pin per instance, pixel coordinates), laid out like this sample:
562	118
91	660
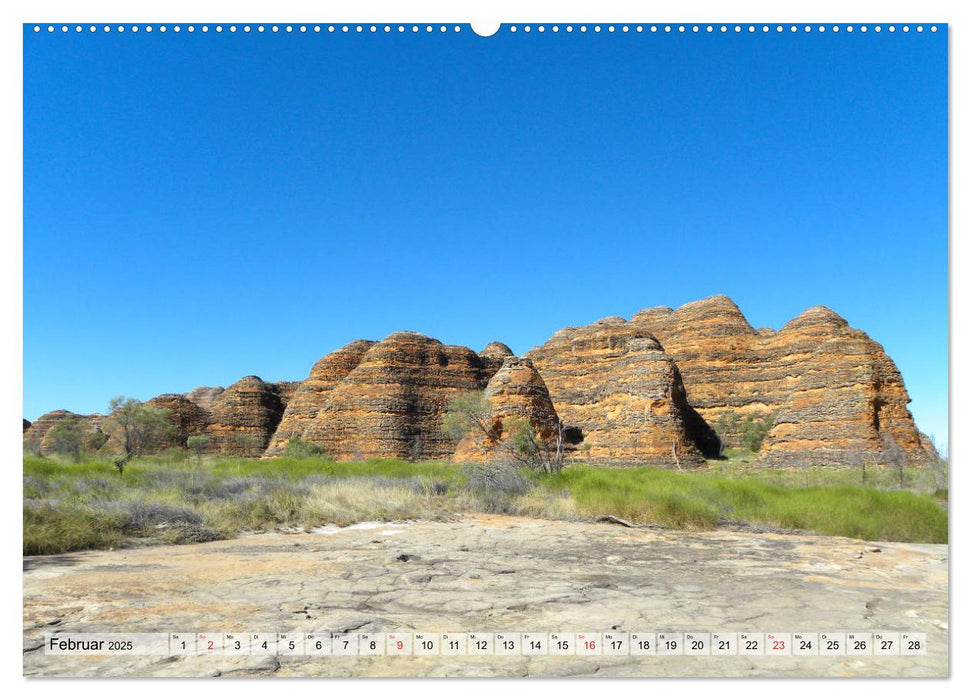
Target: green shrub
754	430
297	448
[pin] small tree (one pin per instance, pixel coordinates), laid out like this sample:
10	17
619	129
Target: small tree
526	448
892	455
726	427
137	427
857	457
467	412
472	412
66	437
32	446
198	444
415	448
248	443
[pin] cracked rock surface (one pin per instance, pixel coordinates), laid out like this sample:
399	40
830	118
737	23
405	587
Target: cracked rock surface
493	574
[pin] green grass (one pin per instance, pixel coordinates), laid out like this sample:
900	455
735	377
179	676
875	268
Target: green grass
69	527
90	505
289	468
699	500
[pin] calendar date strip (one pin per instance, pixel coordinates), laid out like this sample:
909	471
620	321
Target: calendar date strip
488	644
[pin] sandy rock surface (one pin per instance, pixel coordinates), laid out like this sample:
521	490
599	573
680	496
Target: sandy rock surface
493	574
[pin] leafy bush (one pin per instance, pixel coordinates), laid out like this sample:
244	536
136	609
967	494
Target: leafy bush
748	432
297	448
754	430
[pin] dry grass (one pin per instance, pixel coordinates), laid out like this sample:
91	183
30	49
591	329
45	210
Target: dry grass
91	506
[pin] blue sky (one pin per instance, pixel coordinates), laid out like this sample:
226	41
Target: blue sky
199	207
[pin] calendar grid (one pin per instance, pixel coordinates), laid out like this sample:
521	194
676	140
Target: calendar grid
472	644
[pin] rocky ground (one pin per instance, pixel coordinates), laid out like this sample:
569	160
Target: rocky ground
494	573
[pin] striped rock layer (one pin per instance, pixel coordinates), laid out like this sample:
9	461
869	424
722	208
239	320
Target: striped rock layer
643	391
831	392
515	393
615	384
392	403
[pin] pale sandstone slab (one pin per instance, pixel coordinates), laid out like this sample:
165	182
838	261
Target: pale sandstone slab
495	573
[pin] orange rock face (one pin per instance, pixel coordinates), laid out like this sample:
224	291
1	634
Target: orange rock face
615	383
832	392
494	354
644	391
391	404
244	417
515	392
203	396
312	393
36	435
186	417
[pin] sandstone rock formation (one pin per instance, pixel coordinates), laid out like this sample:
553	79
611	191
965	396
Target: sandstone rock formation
312	393
27	424
848	407
203	396
831	392
616	384
494	354
285	390
516	392
644	391
36	436
186	417
392	403
244	417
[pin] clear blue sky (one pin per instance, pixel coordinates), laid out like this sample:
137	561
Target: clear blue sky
199	207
